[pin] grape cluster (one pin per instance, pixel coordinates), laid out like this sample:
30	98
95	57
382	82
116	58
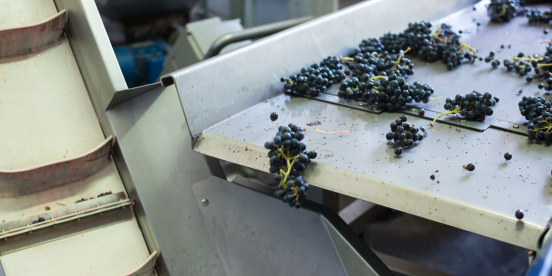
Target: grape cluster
404	134
525	64
537	16
473	105
444	44
390	92
503	10
316	78
375	71
537	111
363	63
288	157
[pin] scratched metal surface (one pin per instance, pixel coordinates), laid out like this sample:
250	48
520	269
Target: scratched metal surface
362	164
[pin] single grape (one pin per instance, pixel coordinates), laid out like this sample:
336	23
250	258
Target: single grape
398	151
519	214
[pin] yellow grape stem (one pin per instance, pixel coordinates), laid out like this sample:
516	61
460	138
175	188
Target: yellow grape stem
378	77
547	127
503	10
323	132
437	33
289	167
467	47
454	111
518	58
400	56
346	58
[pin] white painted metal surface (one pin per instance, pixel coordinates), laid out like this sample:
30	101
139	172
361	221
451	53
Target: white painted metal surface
47	116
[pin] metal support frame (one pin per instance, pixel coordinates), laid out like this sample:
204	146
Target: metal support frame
252	33
476	202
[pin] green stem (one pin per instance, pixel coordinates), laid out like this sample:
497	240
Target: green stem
289	167
454	111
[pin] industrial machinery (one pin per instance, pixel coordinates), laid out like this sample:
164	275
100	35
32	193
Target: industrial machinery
100	179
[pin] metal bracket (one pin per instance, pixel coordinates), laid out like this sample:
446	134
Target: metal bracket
333	99
451	120
65	214
510	127
127	94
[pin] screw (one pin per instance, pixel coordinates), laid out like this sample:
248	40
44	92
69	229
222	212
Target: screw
204	202
516	126
462	121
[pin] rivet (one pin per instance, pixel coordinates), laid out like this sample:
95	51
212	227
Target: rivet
204	202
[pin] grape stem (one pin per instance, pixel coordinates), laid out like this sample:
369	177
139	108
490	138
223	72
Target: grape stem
454	111
546	64
503	10
518	58
464	46
467	47
437	33
289	163
323	132
378	77
400	56
346	59
547	127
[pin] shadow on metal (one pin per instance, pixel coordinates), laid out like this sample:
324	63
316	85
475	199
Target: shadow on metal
356	257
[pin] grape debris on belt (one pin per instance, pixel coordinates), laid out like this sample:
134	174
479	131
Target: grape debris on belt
273	116
404	134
